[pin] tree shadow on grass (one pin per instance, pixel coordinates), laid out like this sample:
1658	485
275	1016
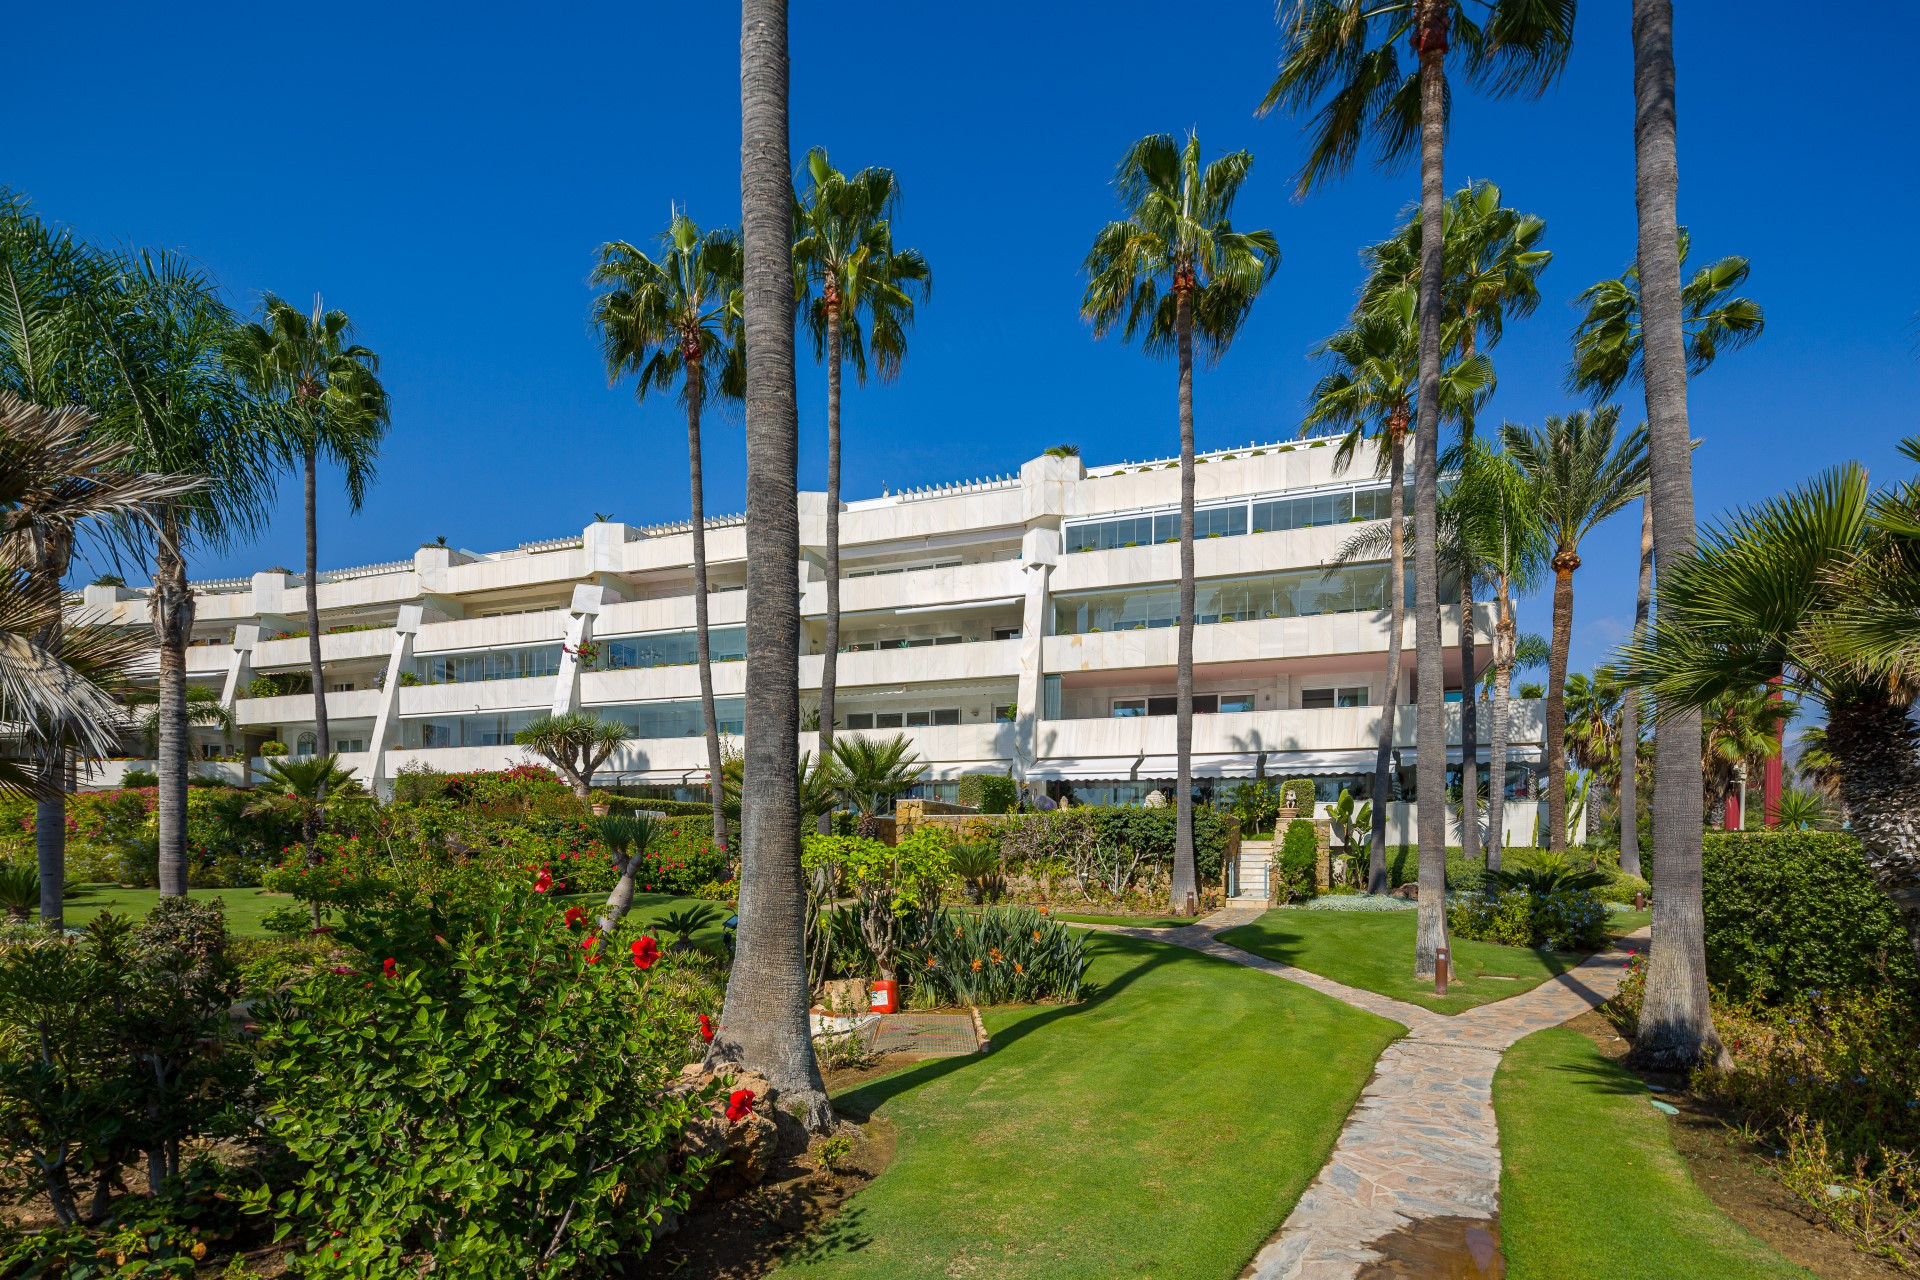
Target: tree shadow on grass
1603	1077
860	1103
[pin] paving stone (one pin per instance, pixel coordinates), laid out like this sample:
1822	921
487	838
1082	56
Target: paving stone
1422	1144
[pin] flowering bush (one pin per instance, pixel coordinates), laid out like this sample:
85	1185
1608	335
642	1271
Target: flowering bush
479	1090
1007	956
1563	920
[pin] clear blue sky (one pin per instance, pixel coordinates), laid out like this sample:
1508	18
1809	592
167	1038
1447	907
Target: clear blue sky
445	176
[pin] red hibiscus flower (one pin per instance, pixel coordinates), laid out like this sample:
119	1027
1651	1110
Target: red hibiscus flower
574	916
388	967
645	952
706	1028
739	1105
543	881
592	941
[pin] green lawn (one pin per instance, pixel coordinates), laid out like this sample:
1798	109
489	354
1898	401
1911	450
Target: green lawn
1373	950
1591	1187
245	907
1622	923
1162	1128
1131	922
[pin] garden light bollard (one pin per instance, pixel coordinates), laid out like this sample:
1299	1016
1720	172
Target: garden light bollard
1442	962
1639	900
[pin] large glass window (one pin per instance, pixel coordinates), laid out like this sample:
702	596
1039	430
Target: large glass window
1302	594
1305	512
494	664
675	649
675	719
485	729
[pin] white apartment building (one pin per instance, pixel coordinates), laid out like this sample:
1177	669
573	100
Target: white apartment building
1022	624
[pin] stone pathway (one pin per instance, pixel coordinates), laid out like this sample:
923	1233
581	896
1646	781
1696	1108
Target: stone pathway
1421	1145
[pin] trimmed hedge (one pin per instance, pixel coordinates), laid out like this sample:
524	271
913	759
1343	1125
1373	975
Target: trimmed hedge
1789	913
640	804
1028	836
1299	850
989	792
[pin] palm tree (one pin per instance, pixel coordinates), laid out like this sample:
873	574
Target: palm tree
204	710
162	386
1343	55
576	743
63	479
1493	261
1740	729
764	1022
1369	387
1816	766
1171	270
867	291
870	772
320	393
1676	1020
1818	587
677	320
1581	474
1501	531
305	790
1607	355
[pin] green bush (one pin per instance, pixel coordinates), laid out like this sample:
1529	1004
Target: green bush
1299	852
272	749
1788	913
989	792
1560	920
139	779
480	1080
1297	793
641	804
1003	956
1029	839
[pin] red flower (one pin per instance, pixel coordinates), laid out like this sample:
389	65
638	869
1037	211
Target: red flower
574	916
543	881
588	945
387	968
341	969
706	1028
645	952
739	1104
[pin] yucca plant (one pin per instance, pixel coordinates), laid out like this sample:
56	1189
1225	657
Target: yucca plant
19	890
1800	810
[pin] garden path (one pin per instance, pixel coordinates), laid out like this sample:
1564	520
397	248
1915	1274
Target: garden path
1422	1148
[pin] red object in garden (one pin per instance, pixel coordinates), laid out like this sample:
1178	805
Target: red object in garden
645	952
387	969
706	1028
574	916
543	881
739	1105
1770	777
886	996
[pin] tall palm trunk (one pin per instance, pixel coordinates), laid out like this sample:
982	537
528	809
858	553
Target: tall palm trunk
1469	672
1396	638
1874	741
1565	561
1431	779
1185	893
49	567
764	1022
1676	1021
830	660
171	606
703	654
1506	641
1630	708
323	743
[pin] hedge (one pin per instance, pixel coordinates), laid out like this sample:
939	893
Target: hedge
1037	835
1403	867
989	792
1793	912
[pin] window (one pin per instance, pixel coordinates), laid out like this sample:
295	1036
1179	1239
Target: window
1316	509
485	729
1304	593
497	664
1357	695
903	719
1164	526
346	687
306	744
675	719
1204	704
1007	712
887	720
903	568
676	649
350	744
1006	633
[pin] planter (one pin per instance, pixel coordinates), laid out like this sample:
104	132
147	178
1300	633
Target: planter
600	809
1286	814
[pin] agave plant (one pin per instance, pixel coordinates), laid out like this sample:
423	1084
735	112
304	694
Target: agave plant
1800	810
980	868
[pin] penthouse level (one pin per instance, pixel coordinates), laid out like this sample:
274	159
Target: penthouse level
1021	623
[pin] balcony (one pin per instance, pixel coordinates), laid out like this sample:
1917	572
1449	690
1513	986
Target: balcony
297	708
957	588
339	646
926	664
507	630
948	750
1324	635
476	695
668	613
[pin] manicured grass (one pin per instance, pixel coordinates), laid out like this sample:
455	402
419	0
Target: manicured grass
245	907
1591	1185
1130	922
1373	950
1162	1128
1622	923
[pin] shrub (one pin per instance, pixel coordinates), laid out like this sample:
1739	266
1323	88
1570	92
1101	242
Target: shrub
1030	840
892	884
989	792
1255	803
1011	956
1299	853
1555	920
138	779
273	749
1297	793
1790	912
641	804
483	1091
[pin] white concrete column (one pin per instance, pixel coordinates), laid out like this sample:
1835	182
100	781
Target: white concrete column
240	667
587	601
1040	551
386	722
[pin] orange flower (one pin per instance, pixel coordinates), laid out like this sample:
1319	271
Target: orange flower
1036	935
976	966
1043	911
1018	967
995	953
